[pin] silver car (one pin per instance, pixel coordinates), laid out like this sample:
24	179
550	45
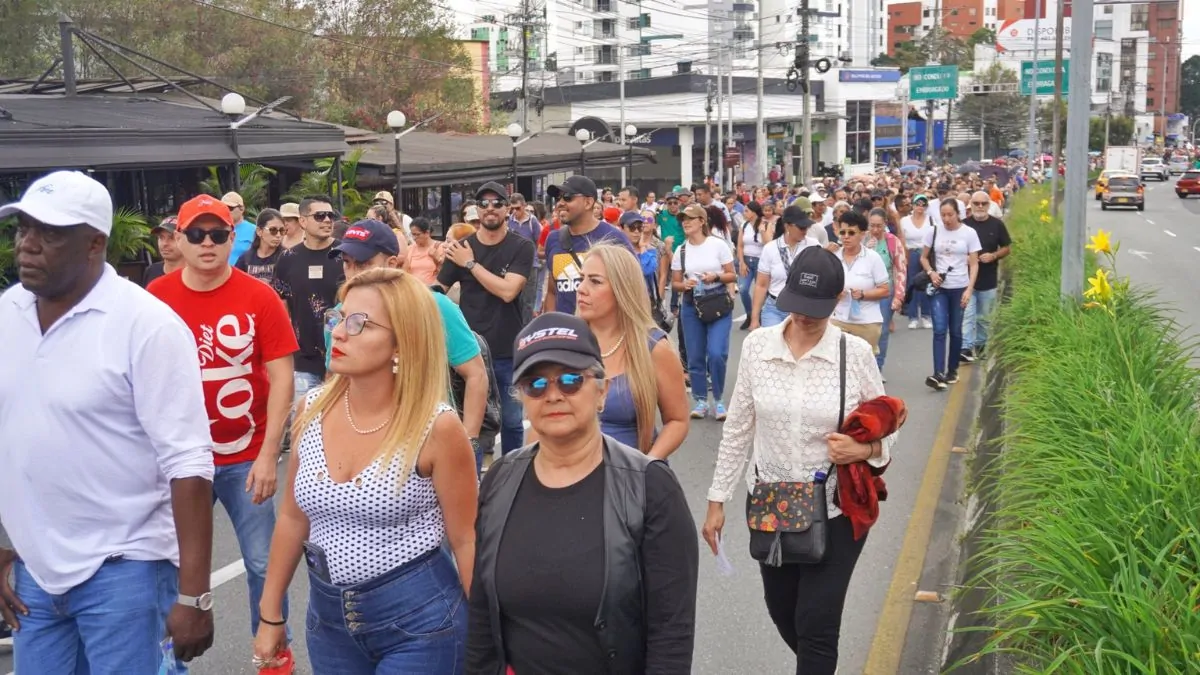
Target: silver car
1126	191
1178	165
1153	167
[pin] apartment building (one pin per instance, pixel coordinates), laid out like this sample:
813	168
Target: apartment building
904	24
960	18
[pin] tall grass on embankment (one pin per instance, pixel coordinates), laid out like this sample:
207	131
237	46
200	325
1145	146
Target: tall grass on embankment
1092	563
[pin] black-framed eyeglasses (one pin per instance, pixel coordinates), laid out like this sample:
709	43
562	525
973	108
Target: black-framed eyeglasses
568	384
979	203
321	216
492	203
274	230
355	323
196	236
848	233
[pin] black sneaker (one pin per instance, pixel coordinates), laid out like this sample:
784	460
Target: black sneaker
936	382
746	324
967	356
951	377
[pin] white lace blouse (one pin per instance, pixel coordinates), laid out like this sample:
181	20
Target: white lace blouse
783	407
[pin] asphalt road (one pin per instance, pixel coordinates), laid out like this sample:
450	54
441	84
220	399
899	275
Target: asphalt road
734	634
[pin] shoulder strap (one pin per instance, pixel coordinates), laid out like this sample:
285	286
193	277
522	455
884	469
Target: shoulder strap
567	243
683	259
842	380
785	256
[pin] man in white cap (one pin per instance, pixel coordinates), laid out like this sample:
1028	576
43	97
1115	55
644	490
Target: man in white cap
106	490
243	230
294	233
396	218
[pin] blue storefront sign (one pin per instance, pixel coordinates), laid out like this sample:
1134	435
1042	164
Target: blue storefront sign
868	76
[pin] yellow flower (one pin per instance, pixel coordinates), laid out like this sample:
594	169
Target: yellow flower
1092	305
1045	203
1045	218
1099	288
1100	243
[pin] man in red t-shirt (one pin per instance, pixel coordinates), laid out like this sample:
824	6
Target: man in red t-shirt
245	343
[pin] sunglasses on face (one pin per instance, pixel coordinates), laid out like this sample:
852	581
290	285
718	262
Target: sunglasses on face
321	216
567	198
848	233
568	384
196	236
355	323
381	202
492	203
979	203
274	230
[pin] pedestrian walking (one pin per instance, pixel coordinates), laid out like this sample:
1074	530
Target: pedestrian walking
575	201
382	474
700	269
995	245
259	261
106	440
171	259
645	378
795	449
867	278
586	556
912	228
890	249
245	343
773	266
424	256
754	235
243	228
950	257
492	267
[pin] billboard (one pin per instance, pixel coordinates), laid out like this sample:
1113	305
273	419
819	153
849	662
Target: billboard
1016	35
868	75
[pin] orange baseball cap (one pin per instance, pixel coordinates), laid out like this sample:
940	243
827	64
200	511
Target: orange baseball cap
612	214
204	205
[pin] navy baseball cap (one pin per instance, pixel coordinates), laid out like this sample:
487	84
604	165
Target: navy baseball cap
558	338
573	185
365	240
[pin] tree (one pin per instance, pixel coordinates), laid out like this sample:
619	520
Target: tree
1189	101
1003	116
1045	121
1120	132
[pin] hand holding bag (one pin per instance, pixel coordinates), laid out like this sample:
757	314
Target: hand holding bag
789	520
709	306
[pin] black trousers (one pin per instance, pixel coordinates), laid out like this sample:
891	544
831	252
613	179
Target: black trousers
805	601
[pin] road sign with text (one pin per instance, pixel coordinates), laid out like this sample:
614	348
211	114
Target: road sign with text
1045	77
928	83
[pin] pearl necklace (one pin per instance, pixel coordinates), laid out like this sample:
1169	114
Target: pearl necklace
617	346
350	419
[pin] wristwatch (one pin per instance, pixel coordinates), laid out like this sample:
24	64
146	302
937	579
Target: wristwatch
204	602
470	265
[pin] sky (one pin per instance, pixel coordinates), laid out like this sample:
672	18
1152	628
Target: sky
1191	28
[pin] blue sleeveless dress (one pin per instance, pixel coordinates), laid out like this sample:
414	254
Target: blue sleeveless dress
619	418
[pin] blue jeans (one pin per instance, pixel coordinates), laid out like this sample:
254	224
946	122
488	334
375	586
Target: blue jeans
512	433
770	314
253	525
885	307
412	619
947	316
977	319
746	283
921	304
708	351
303	382
111	624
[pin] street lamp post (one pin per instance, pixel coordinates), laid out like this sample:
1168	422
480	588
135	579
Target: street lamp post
514	132
234	106
583	137
630	133
396	121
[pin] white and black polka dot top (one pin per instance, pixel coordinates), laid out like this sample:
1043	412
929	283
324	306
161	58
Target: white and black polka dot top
366	526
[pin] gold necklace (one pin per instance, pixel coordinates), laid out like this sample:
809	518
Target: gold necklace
620	341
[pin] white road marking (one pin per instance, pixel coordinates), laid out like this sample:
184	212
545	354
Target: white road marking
739	319
1141	254
1197	248
227	573
1167	232
1148	220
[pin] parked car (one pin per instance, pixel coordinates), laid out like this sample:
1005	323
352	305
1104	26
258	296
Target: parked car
1153	167
1188	184
1124	190
1178	164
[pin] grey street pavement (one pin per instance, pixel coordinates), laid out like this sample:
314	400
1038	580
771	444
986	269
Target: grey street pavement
733	633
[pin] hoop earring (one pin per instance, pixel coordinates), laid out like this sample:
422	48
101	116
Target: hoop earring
395	364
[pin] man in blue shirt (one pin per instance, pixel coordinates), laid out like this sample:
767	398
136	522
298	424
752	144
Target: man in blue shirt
243	230
574	201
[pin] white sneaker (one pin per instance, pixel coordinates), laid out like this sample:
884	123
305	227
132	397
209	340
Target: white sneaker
912	325
926	323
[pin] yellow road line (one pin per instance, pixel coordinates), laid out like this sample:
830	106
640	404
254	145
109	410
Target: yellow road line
887	646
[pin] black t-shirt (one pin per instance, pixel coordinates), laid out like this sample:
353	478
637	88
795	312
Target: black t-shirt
259	268
154	271
993	236
550	576
308	281
497	321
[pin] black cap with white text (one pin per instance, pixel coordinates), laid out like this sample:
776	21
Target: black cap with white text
557	338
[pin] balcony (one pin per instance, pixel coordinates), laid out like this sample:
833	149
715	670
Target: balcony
605	58
743	34
605	6
743	8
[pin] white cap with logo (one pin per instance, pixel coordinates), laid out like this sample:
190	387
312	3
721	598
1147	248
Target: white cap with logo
66	198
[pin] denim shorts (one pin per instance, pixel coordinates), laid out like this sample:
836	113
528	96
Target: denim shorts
412	619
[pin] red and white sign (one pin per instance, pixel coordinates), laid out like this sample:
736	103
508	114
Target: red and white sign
1016	35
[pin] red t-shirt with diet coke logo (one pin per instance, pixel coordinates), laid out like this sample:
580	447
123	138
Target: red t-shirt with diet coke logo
239	327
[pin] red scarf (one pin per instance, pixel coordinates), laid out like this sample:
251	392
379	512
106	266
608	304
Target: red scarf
860	485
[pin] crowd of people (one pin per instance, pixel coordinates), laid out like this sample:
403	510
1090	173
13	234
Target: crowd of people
383	366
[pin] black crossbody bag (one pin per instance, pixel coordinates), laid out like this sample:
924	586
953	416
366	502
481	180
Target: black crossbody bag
709	306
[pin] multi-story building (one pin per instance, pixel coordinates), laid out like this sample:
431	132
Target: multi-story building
904	24
961	19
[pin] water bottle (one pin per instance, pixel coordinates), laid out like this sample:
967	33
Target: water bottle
855	309
168	665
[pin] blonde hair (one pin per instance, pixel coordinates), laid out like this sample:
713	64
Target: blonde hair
632	301
460	231
421	383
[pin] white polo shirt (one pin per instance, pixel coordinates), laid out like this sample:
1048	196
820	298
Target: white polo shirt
864	273
771	265
97	416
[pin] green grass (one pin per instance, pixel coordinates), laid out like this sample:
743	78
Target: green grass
1093	564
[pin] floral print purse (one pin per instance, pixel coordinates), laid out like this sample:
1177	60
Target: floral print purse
789	520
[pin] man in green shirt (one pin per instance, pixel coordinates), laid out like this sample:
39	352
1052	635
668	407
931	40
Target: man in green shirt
670	230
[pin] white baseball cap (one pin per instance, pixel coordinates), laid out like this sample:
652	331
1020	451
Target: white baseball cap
66	198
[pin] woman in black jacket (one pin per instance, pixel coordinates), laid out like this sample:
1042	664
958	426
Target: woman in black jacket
586	554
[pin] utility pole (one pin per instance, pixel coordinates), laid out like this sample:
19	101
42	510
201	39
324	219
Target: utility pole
760	126
982	133
935	58
729	110
1078	112
708	109
806	106
1108	121
524	65
1037	29
903	125
620	85
1055	201
719	165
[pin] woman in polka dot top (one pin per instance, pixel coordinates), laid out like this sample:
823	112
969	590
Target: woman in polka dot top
383	472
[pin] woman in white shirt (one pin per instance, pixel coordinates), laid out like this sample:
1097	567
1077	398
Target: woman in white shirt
799	361
701	266
773	266
950	255
913	229
754	235
867	278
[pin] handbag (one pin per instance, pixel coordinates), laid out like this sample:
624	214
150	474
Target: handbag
789	520
710	307
920	281
664	317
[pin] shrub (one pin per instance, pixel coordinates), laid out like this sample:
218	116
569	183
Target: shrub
1092	562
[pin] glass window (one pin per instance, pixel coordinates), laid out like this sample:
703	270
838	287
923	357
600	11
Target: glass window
1103	29
1139	17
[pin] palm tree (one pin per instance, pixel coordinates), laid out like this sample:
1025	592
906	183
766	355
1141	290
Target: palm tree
255	179
130	236
323	181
